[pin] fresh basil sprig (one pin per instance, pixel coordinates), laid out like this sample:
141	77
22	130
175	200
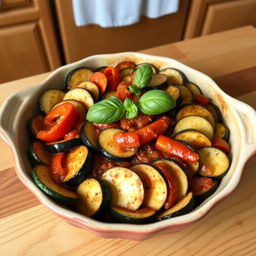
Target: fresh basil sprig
142	78
131	109
106	111
156	102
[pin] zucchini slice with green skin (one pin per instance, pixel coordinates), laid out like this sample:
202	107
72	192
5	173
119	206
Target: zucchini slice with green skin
43	179
194	122
154	186
62	145
126	71
175	93
186	94
194	88
180	174
36	124
81	95
222	131
158	81
140	216
215	163
39	154
91	87
185	205
126	186
49	98
203	187
88	135
76	76
108	147
78	163
193	137
195	110
215	111
174	75
94	196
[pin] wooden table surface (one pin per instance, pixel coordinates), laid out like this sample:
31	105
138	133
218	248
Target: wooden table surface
29	228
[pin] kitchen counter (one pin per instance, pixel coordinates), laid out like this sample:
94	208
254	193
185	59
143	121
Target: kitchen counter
29	228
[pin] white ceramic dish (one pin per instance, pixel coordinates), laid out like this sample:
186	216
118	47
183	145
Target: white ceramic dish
21	106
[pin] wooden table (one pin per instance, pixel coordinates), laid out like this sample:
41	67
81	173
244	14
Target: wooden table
29	228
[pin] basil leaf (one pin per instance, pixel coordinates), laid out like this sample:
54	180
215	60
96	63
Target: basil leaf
106	111
131	109
134	89
156	102
143	76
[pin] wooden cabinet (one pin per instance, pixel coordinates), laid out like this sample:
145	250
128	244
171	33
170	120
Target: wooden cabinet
79	42
212	16
27	39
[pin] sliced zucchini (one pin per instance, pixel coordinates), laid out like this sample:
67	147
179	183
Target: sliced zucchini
195	110
186	94
194	88
140	216
109	94
158	81
43	179
203	187
127	79
126	186
36	124
91	87
215	163
180	174
222	131
174	75
81	95
125	64
108	147
193	137
78	162
154	186
38	153
185	205
88	135
215	111
94	196
63	145
78	75
49	98
194	122
175	92
126	72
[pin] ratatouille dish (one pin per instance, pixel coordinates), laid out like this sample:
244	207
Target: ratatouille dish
129	143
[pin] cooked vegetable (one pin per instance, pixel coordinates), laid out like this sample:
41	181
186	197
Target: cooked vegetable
76	76
127	141
100	80
140	216
215	111
89	135
176	148
194	122
78	163
194	88
109	94
158	81
94	196
175	93
201	99
126	72
107	146
222	131
58	170
36	124
174	75
42	178
126	186
215	163
221	144
125	64
184	206
38	153
91	87
186	94
155	188
193	137
61	120
49	98
113	78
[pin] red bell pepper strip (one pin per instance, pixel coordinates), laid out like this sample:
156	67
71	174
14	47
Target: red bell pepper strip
72	135
221	144
200	185
100	80
113	78
58	171
201	99
176	148
60	121
105	126
153	130
127	140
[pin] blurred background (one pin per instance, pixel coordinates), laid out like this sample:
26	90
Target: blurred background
38	36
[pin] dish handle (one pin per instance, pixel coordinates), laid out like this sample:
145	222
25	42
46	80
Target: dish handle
248	119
